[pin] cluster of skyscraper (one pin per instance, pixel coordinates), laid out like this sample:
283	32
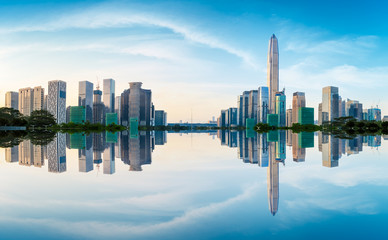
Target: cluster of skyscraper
133	106
269	149
93	150
267	104
333	106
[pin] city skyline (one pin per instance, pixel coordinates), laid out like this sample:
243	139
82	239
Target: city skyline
161	47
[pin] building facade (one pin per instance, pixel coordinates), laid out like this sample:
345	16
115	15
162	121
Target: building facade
272	72
330	106
56	100
12	100
85	99
298	101
109	88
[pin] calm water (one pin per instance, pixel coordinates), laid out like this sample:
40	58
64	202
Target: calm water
218	185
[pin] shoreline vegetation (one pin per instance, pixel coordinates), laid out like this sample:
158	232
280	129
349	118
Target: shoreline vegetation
41	121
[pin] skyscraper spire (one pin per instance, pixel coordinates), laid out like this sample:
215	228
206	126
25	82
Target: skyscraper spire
273	71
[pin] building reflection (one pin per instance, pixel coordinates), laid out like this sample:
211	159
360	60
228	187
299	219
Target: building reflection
56	154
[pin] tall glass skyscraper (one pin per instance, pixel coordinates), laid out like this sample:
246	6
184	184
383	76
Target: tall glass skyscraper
280	108
85	99
273	71
298	101
330	103
109	95
56	100
262	104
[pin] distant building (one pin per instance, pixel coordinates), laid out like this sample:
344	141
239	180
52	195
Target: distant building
252	105
56	101
136	104
289	118
272	72
98	107
385	119
26	101
85	99
111	118
77	114
109	95
298	101
232	117
12	100
353	109
118	108
374	114
273	120
280	107
330	106
306	115
160	118
38	102
262	104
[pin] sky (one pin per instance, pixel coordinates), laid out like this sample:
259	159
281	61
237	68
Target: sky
197	56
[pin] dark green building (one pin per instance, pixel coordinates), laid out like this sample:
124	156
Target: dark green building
306	115
306	140
111	118
273	120
77	114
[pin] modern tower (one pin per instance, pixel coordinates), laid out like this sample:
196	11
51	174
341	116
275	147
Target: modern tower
273	71
56	100
85	99
12	100
26	101
262	104
109	95
330	106
98	107
280	108
134	100
38	98
298	101
118	108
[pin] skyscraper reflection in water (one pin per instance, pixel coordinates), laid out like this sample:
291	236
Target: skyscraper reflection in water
56	154
136	150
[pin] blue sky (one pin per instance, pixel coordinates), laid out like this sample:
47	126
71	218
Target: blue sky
197	55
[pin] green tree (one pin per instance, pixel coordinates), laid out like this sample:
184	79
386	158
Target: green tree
41	118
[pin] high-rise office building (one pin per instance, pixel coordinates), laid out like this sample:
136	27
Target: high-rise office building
98	107
56	101
289	118
38	98
134	101
272	71
160	118
353	109
12	100
374	114
252	105
85	99
109	95
262	104
280	107
12	154
330	106
118	108
232	117
298	101
240	110
26	101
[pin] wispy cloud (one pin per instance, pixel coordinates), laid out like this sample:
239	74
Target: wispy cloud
96	18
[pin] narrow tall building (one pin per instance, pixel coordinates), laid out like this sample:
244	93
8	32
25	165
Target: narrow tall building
56	100
26	101
298	101
118	108
280	108
330	103
98	107
273	71
12	100
109	95
85	99
38	98
262	104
